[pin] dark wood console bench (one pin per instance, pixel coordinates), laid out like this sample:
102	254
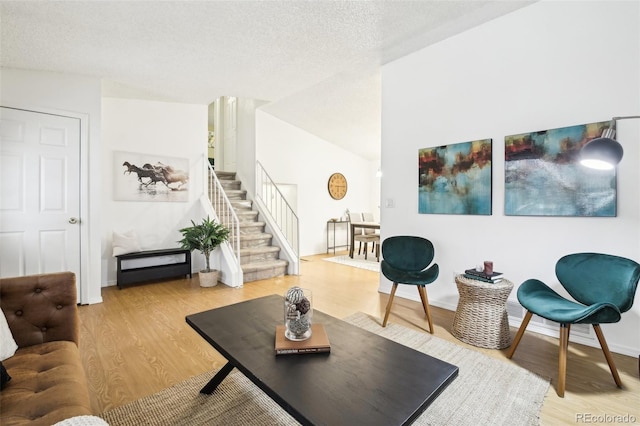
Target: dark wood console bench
130	275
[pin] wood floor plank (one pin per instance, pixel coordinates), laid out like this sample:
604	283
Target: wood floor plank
137	342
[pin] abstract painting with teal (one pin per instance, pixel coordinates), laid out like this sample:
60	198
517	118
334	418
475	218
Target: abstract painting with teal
455	179
543	176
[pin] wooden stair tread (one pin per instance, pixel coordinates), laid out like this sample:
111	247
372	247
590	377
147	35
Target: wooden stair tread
257	266
255	236
258	250
251	224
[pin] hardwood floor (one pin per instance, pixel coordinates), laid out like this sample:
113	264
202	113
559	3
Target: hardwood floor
137	342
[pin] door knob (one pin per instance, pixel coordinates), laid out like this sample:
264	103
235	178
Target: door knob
73	220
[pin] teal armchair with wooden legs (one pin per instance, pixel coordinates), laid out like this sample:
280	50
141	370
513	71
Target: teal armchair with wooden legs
405	261
603	287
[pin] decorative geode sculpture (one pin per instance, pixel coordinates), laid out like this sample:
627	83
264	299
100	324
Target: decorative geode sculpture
297	314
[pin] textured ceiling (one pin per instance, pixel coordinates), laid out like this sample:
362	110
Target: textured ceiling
315	62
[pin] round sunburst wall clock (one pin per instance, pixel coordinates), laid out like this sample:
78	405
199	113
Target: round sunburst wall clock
337	186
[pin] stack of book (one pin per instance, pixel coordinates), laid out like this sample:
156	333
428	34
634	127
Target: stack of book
317	343
495	277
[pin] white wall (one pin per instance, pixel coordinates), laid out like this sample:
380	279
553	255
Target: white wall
293	156
75	96
156	128
551	64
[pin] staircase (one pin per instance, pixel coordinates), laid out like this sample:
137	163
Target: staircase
258	258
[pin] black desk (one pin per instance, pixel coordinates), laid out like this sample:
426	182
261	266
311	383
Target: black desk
365	380
332	224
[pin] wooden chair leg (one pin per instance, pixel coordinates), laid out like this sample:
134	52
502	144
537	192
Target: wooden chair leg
516	340
365	251
386	314
607	355
425	304
562	358
423	298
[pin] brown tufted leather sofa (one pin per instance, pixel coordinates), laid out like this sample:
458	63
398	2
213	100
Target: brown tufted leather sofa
48	383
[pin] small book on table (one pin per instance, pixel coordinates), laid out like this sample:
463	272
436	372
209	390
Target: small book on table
317	343
481	276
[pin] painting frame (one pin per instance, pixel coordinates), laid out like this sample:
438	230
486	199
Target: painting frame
150	177
456	179
543	175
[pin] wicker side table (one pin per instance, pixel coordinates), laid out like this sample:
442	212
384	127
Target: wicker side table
481	316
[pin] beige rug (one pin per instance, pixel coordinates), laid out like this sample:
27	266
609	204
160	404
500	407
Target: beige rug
487	391
358	261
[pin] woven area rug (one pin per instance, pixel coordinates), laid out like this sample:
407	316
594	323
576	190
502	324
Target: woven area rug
357	262
487	391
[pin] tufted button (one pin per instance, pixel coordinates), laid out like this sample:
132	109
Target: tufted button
18	313
59	307
43	329
38	290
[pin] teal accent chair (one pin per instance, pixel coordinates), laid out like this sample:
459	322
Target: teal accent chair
603	287
405	261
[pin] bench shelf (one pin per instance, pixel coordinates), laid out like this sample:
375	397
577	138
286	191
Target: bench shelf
154	272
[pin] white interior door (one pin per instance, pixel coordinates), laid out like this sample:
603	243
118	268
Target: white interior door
39	193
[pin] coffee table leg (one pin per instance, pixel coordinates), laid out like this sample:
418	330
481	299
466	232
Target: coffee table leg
217	379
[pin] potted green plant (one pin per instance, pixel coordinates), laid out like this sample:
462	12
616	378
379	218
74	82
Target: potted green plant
205	237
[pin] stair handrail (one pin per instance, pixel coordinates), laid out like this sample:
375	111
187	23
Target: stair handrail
225	211
278	208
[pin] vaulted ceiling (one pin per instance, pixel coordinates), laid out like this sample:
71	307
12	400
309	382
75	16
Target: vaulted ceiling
316	62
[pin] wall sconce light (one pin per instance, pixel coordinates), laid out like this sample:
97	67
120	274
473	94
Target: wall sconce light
603	153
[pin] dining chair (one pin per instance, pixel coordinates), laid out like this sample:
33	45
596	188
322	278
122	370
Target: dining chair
368	217
406	260
603	287
360	236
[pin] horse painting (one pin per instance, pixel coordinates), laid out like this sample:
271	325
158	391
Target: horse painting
151	174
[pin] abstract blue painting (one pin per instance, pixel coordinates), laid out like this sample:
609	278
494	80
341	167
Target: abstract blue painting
543	176
455	179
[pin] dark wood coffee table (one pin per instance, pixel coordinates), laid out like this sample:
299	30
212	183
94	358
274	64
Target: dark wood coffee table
365	380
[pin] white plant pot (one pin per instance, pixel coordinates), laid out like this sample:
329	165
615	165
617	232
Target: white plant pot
208	279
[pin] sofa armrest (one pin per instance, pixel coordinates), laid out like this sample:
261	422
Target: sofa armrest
41	308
